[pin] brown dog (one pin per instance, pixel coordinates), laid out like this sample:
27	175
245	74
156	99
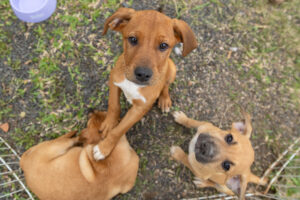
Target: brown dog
58	169
218	158
144	71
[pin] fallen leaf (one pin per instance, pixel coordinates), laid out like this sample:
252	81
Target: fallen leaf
22	114
4	127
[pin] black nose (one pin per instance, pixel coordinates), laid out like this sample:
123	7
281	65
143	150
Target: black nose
143	74
205	148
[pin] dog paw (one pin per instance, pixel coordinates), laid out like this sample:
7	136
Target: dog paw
164	103
97	154
107	125
179	117
176	152
199	182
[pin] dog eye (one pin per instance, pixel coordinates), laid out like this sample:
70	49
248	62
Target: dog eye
226	165
133	40
229	138
163	46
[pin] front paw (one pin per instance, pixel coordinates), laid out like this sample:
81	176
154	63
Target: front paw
199	182
103	149
179	117
176	153
97	154
107	125
164	103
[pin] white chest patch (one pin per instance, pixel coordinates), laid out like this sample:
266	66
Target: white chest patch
131	90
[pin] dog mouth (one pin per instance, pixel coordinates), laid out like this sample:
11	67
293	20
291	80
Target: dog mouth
205	148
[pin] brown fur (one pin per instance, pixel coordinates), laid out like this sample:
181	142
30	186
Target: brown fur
58	169
151	28
212	174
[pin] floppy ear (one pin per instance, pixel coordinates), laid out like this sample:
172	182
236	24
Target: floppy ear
85	164
244	127
118	20
184	34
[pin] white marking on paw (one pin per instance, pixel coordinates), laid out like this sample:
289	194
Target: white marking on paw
197	181
173	149
97	153
131	90
166	110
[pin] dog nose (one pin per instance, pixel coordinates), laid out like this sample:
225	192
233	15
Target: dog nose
205	148
143	74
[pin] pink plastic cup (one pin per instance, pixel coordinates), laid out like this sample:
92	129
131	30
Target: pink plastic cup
33	10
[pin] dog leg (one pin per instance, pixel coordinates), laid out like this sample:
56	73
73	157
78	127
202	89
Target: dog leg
164	101
114	108
201	183
135	113
182	119
178	154
224	189
257	180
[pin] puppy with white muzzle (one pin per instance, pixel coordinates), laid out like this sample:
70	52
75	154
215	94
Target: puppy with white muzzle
219	158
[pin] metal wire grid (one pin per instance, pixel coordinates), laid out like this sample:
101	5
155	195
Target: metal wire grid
11	177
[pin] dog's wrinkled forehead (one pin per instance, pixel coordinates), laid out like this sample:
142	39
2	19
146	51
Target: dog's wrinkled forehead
152	23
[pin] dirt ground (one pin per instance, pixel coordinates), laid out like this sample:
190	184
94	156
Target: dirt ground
248	56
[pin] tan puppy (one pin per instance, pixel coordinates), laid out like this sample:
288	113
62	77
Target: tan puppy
144	71
219	158
60	170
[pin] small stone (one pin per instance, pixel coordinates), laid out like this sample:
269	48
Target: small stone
234	49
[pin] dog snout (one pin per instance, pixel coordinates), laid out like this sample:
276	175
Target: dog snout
205	149
143	74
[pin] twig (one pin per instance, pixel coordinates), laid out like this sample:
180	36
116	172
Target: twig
176	8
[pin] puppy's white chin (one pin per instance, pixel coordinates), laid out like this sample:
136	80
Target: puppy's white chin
97	153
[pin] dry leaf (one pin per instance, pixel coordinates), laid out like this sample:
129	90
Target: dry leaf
22	114
4	127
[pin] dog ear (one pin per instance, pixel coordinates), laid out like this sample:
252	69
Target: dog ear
85	164
244	127
184	34
118	20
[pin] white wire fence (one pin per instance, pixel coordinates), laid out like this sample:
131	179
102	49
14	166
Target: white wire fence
11	178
